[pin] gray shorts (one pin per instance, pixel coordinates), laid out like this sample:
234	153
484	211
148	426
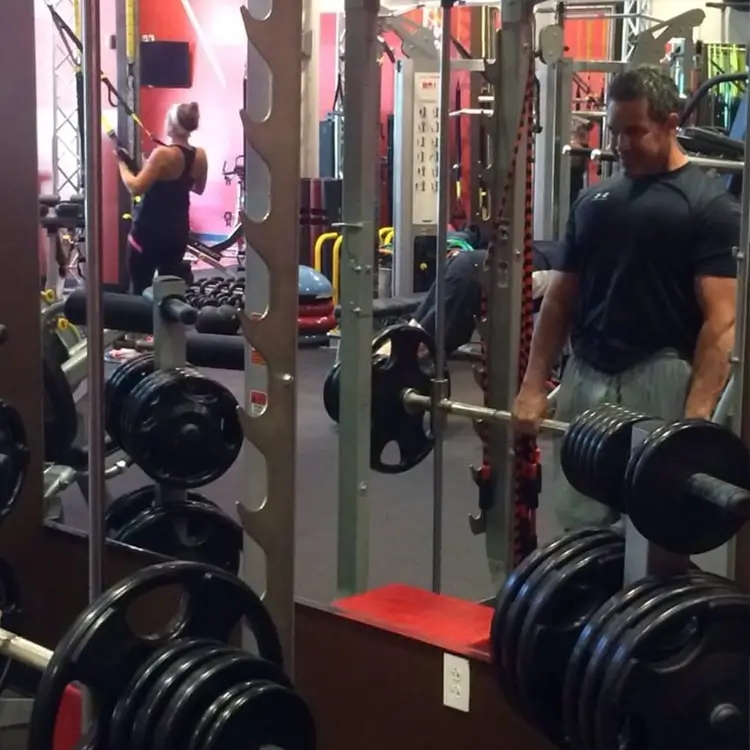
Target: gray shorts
658	387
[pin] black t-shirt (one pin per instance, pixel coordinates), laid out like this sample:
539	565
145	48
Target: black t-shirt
638	245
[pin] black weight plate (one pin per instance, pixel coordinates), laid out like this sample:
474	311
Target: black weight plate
14	457
169	683
658	504
570	450
179	720
266	715
187	530
204	725
609	638
504	632
125	508
559	611
102	651
60	415
587	448
331	388
517	614
403	368
182	429
579	660
673	669
136	694
120	386
513	583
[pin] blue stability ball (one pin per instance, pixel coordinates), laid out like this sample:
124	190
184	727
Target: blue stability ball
314	284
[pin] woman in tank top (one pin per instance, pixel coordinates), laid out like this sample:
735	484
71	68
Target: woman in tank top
161	219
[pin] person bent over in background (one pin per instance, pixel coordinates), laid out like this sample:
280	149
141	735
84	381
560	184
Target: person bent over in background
646	294
161	220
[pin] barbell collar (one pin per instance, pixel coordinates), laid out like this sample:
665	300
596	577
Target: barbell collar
417	401
27	652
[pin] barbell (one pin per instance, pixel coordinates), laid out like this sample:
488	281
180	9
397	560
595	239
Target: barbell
685	485
183	687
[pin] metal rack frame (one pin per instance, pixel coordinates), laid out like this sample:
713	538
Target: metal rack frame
271	124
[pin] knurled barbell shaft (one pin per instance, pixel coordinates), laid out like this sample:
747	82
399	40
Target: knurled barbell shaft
24	651
415	400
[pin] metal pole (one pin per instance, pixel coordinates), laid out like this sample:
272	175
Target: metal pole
441	250
739	557
91	37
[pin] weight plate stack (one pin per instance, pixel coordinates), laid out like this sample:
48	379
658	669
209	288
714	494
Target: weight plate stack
600	640
118	389
181	428
559	609
103	652
14	457
595	452
504	631
677	676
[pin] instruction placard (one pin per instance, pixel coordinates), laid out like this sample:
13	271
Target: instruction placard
426	148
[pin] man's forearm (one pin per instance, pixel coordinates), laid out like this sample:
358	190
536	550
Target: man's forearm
551	333
710	370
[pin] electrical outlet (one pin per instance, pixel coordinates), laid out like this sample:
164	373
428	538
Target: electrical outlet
456	682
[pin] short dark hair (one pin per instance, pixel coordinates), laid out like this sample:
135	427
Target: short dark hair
647	82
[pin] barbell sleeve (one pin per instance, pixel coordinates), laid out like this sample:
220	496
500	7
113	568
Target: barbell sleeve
728	497
415	400
26	652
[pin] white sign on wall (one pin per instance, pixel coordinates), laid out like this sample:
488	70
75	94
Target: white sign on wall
426	148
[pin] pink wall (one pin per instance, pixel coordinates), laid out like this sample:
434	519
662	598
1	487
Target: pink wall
45	111
217	38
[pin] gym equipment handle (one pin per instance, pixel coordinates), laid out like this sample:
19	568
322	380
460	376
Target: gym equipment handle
176	310
728	497
26	652
416	400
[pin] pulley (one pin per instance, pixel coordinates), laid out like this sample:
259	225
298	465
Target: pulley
181	428
102	652
184	528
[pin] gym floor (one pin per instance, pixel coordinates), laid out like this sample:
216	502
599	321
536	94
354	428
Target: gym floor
400	506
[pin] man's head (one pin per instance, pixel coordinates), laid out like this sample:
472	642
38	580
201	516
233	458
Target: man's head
643	113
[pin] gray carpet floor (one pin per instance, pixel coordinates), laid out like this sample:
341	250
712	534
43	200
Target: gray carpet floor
400	506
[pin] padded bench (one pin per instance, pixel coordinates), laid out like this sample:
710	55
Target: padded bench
389	310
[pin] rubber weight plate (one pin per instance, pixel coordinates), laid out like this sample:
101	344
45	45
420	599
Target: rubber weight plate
204	725
512	602
196	693
609	638
118	389
513	583
561	607
169	684
266	715
678	677
102	651
136	695
579	660
187	530
125	508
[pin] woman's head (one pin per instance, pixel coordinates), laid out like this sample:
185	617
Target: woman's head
183	119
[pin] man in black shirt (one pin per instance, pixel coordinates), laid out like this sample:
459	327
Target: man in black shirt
647	288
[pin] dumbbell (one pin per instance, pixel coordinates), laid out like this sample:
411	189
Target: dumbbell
222	320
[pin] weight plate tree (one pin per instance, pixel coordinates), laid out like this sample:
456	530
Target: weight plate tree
156	692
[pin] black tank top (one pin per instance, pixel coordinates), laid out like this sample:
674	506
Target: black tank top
163	212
